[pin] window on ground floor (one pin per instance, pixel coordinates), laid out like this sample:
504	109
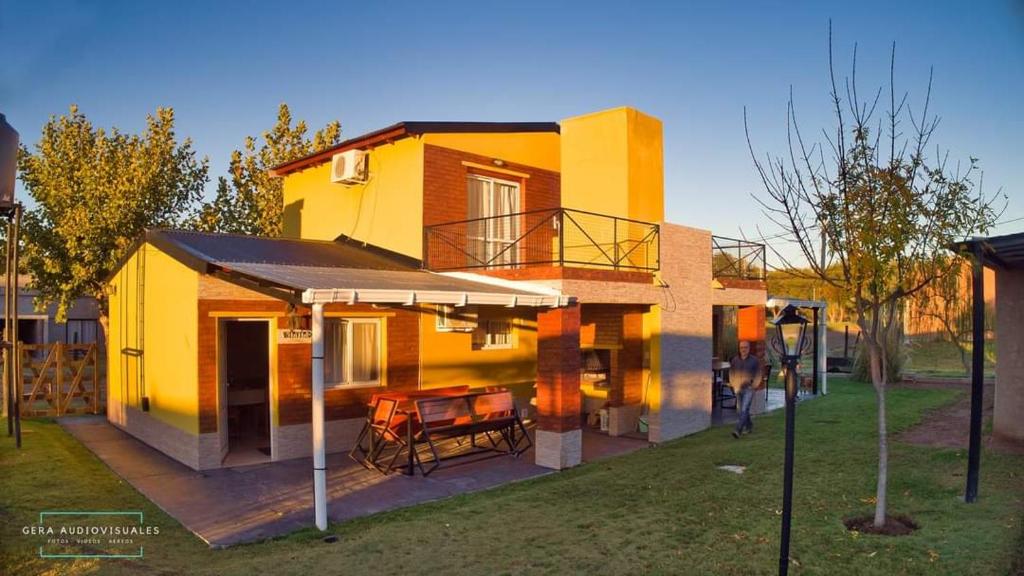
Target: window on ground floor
493	334
352	352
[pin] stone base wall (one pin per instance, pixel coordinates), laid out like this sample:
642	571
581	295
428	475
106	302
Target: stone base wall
558	450
296	440
623	419
198	452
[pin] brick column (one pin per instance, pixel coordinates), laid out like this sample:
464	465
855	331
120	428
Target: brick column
559	439
627	376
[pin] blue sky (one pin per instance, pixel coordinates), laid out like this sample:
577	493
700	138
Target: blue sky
225	67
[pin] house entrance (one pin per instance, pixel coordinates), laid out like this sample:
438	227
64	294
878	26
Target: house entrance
244	399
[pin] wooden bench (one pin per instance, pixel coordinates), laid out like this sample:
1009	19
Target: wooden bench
385	421
470	415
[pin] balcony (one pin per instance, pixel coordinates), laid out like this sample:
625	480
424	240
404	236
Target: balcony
559	237
737	259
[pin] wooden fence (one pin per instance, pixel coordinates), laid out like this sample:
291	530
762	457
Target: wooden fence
58	379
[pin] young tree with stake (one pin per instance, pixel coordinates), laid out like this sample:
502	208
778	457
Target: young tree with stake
883	206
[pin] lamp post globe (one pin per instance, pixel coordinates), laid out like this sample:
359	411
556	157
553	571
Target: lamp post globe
791	332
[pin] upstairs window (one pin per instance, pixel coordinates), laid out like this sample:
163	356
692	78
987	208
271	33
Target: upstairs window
493	225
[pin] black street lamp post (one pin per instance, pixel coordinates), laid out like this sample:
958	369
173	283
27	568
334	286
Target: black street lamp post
789	343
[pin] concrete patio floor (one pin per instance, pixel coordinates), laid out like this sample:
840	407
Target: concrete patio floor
242	504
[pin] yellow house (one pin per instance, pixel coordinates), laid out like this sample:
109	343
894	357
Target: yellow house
532	256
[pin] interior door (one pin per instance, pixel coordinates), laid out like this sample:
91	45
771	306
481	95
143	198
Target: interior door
493	229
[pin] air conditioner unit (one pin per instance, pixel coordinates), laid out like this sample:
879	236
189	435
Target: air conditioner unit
349	167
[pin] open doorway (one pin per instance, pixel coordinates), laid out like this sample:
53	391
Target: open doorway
244	399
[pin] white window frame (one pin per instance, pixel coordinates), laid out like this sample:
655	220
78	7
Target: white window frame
347	351
443	321
488	340
492	243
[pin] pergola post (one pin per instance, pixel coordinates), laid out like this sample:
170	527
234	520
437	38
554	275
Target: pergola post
815	366
977	371
821	350
319	453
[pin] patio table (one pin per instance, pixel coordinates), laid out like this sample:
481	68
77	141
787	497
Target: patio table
406	401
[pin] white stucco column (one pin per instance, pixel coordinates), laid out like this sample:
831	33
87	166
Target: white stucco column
319	456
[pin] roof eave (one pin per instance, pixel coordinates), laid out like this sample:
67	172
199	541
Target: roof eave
406	129
447	297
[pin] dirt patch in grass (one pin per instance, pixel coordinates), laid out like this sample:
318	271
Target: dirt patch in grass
898	525
950	426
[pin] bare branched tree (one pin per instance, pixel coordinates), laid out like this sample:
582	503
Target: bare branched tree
871	211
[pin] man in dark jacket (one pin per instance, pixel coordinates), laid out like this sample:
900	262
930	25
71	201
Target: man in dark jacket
744	376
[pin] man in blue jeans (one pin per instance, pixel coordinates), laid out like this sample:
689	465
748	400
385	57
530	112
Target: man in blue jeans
744	376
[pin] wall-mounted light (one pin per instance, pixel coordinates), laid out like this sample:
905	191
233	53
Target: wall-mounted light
498	162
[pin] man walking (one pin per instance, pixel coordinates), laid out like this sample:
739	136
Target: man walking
744	376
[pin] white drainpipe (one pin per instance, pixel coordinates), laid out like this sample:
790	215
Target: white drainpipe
319	458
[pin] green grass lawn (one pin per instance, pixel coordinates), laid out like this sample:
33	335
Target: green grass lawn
929	357
666	510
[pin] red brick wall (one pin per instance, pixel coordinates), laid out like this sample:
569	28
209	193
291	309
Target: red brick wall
571	273
294	364
445	188
620	327
445	199
751	327
600	326
207	344
630	361
558	369
742	283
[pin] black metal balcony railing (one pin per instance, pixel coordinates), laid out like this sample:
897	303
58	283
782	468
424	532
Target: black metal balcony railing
732	258
552	237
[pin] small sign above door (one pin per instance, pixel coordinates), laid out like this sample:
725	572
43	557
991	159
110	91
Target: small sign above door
293	336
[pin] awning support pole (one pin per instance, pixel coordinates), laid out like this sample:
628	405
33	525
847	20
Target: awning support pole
319	457
823	350
817	346
977	373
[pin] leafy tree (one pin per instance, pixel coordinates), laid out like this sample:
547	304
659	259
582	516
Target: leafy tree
804	284
885	209
95	191
250	200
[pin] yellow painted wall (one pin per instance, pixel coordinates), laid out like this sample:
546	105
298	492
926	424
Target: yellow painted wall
646	167
122	370
595	171
168	338
448	358
538	149
612	163
386	211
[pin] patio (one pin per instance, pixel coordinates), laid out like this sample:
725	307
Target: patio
234	505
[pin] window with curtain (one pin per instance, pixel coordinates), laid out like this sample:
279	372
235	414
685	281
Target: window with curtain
493	334
493	210
352	352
